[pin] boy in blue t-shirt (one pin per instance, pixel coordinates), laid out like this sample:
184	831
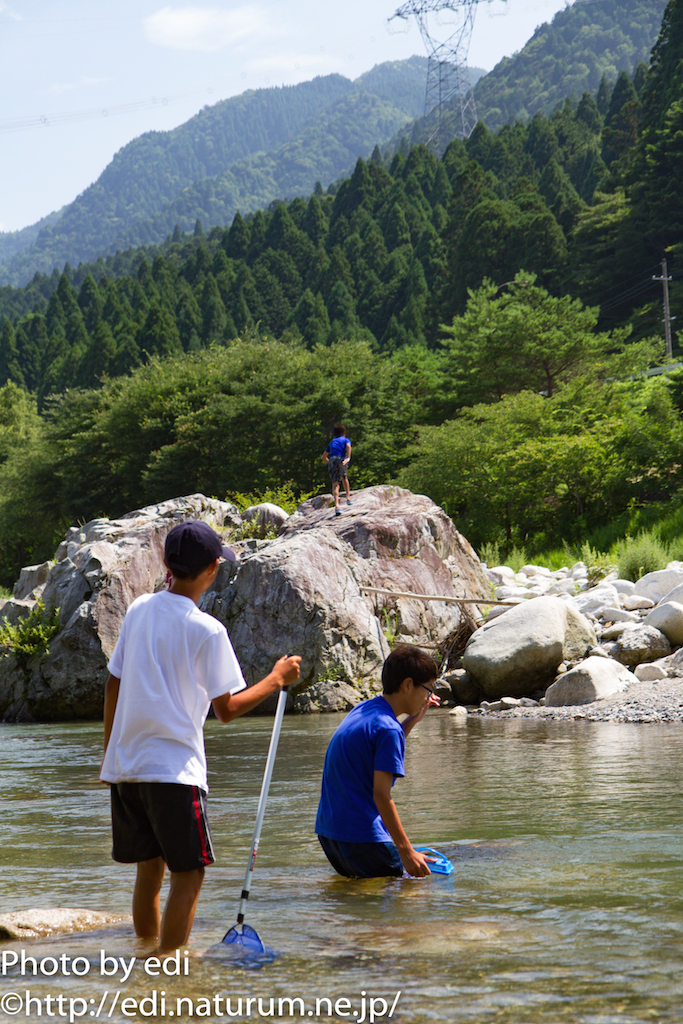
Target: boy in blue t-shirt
337	455
357	824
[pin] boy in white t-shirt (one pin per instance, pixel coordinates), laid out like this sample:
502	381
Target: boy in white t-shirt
170	662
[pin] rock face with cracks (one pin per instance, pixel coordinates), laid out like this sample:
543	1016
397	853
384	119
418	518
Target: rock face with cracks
299	593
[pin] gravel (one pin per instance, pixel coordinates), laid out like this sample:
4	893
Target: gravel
657	701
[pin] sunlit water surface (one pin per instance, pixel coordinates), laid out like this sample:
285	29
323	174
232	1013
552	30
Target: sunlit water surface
565	903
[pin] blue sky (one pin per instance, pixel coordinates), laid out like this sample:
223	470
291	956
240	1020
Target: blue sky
80	79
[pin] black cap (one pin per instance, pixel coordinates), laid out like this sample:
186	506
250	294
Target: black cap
193	545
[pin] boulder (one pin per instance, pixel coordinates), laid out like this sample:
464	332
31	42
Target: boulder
327	696
668	618
103	567
268	517
519	652
640	644
464	690
657	585
604	596
674	595
300	592
592	680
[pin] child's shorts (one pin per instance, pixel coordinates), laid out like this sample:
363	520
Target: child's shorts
363	860
160	819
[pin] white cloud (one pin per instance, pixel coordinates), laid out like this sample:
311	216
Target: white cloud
58	88
206	29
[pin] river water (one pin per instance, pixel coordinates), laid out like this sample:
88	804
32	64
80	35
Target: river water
565	904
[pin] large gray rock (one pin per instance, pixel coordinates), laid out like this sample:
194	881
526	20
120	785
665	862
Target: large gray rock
103	567
592	680
299	593
668	618
519	652
640	644
657	585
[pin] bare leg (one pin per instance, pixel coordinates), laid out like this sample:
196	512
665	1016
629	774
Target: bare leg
146	910
347	488
176	924
335	493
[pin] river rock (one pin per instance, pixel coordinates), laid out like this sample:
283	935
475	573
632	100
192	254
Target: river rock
603	596
35	924
668	618
463	688
518	653
632	602
458	712
657	585
592	680
615	615
640	644
651	672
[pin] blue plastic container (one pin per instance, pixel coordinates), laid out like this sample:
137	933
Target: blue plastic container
442	866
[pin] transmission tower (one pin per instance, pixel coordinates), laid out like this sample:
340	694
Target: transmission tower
449	102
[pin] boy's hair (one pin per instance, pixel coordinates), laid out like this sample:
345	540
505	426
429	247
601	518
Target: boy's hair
339	431
407	662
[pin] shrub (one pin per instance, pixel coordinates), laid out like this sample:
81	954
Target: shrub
31	636
285	497
646	552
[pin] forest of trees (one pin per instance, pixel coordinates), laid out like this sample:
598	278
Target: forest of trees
480	321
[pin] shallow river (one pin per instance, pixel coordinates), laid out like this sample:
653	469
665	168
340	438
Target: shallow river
565	903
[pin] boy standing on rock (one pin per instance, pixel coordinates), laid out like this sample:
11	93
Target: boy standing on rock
358	825
170	663
337	455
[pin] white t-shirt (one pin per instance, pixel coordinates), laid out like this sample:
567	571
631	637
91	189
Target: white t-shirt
172	660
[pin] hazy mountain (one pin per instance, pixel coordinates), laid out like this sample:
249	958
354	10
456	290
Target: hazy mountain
302	133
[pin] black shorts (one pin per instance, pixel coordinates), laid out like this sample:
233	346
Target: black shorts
160	819
363	860
336	468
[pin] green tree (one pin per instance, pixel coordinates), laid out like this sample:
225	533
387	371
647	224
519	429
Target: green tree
522	338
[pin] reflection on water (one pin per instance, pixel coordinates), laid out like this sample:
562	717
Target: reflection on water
564	905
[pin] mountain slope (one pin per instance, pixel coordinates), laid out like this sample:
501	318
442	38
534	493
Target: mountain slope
153	170
570	55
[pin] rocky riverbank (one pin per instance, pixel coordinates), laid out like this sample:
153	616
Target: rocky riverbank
657	701
614	653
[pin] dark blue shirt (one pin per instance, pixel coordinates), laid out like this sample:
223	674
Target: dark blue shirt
337	446
369	739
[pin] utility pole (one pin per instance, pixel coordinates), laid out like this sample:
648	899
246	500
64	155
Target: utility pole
667	318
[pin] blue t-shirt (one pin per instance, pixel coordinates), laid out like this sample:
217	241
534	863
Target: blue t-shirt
369	739
337	446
